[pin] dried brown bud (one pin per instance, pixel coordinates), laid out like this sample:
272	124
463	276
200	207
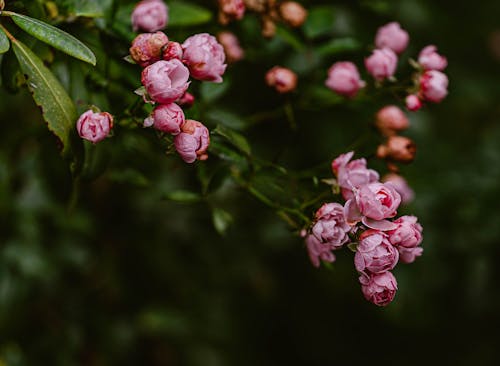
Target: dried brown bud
293	13
258	6
268	27
398	149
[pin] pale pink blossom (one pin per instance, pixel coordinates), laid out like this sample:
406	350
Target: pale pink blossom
408	234
413	102
382	63
150	16
168	118
282	79
231	10
205	57
147	48
330	226
375	253
192	143
231	46
94	126
429	59
165	81
379	288
343	78
434	86
377	200
391	119
318	251
408	255
392	36
401	185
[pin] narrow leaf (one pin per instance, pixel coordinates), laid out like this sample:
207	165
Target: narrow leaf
183	14
55	37
57	107
234	138
183	196
221	220
4	42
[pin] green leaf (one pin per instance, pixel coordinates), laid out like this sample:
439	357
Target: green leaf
55	37
234	138
290	38
4	42
182	14
183	196
221	219
320	21
57	108
339	45
353	246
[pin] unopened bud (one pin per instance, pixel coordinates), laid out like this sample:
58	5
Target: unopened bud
282	79
413	103
186	101
397	148
231	46
146	48
268	27
293	13
390	120
172	50
231	10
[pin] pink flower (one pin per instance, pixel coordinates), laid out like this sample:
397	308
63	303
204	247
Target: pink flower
343	78
205	57
231	10
330	226
401	186
434	86
392	36
382	63
318	251
431	60
377	200
391	119
165	81
231	46
172	50
375	253
168	118
150	15
408	234
292	13
186	101
413	103
282	79
380	288
352	174
94	126
192	143
147	48
408	255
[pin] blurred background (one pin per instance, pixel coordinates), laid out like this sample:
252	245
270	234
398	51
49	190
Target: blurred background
135	264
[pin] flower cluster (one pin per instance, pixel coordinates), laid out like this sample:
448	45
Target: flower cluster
366	223
429	82
168	65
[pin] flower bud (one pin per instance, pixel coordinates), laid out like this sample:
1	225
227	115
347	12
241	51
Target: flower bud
231	46
231	10
171	51
192	143
165	81
268	27
398	148
379	288
186	101
94	126
401	186
205	57
150	16
168	118
259	6
413	103
391	119
433	86
282	79
429	59
392	36
147	48
343	78
292	13
382	63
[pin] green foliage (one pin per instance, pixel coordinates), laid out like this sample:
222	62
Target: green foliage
185	14
4	42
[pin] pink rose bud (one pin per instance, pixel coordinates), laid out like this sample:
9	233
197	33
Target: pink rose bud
413	103
150	16
231	10
147	48
392	36
408	255
351	175
282	79
292	13
401	186
391	119
94	126
318	251
378	201
192	143
172	50
168	118
398	149
186	101
408	234
431	60
375	253
330	226
382	63
231	46
343	78
379	288
165	81
434	86
205	57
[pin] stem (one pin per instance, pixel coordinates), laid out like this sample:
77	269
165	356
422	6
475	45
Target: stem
7	33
